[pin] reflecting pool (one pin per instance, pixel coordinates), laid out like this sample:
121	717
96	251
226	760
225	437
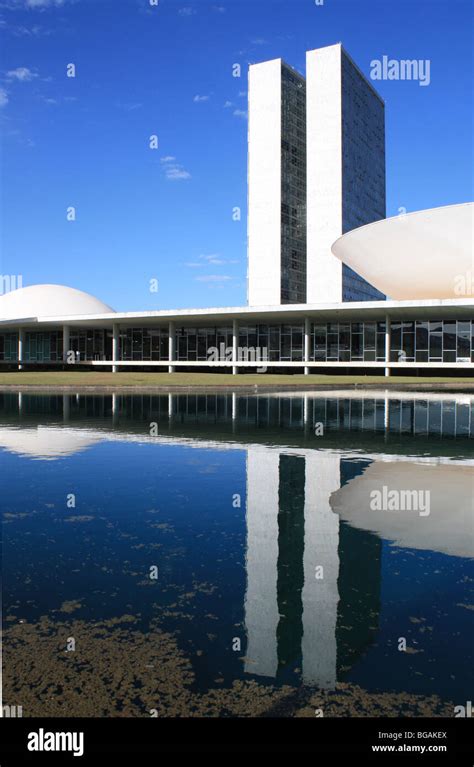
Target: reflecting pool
196	554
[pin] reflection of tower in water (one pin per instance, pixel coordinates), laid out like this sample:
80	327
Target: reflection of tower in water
300	600
360	555
321	557
290	571
261	601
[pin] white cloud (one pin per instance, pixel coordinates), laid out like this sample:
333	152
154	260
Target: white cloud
199	99
213	278
186	11
177	174
35	31
15	5
241	113
214	258
43	3
61	100
22	74
174	171
130	106
3	97
242	94
218	8
259	41
228	104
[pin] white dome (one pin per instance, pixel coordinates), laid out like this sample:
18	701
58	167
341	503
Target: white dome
49	301
427	254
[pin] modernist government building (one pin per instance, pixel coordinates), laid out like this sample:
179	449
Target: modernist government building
333	286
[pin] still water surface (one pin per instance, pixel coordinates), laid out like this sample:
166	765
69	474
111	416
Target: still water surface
218	555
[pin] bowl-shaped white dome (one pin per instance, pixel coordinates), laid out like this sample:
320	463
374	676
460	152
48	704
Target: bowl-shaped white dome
428	254
49	301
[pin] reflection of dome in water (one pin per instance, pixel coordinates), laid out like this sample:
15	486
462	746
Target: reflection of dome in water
49	301
47	443
449	526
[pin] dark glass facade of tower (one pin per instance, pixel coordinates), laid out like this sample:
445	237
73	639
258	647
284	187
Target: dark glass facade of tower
363	167
293	187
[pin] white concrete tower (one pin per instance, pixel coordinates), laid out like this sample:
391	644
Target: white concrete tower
324	172
276	185
264	183
345	128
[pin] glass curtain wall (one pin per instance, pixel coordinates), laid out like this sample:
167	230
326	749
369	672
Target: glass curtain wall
8	347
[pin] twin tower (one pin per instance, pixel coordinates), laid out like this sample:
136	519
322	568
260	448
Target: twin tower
316	170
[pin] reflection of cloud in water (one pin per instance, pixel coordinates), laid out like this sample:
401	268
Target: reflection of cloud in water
449	527
47	443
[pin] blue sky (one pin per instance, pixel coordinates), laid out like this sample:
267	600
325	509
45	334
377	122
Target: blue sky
166	214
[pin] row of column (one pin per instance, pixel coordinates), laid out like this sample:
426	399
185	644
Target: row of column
172	346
